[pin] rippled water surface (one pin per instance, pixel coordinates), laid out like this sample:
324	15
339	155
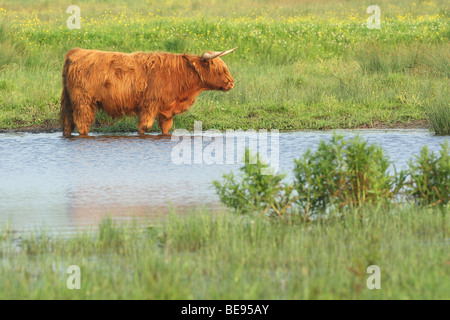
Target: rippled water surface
69	184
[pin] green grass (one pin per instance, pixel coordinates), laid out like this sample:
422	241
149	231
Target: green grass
208	255
439	115
300	64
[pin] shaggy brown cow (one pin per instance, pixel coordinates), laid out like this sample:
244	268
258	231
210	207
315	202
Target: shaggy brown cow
150	84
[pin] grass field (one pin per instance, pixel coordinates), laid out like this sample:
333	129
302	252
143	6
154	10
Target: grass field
216	256
300	64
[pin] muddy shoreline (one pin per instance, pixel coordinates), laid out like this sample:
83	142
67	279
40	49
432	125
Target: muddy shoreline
415	124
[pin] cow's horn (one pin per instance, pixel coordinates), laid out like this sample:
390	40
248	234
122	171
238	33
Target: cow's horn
227	52
212	55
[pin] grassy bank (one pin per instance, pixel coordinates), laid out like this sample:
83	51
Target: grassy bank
300	64
219	256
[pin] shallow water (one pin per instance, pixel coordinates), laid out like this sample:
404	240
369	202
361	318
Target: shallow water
70	184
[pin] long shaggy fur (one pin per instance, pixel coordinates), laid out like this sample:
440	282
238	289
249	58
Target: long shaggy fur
152	85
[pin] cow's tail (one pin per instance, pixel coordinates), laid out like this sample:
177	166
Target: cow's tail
66	113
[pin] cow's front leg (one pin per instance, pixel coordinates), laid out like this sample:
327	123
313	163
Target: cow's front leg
146	118
83	116
165	123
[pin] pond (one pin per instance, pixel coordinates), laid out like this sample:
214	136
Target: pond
47	181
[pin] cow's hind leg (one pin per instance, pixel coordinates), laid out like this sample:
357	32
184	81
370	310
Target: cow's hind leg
66	116
146	118
83	116
165	123
68	125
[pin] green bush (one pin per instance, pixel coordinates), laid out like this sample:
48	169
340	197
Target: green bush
256	191
340	175
430	177
344	174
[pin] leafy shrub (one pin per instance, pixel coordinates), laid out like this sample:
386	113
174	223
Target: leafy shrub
341	174
255	191
344	174
430	177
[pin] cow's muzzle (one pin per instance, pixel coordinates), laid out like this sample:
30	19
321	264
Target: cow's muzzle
228	87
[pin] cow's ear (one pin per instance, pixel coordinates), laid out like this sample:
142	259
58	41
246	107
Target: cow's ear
194	61
204	62
191	61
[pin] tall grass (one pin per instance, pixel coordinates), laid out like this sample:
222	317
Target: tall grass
438	112
299	64
216	256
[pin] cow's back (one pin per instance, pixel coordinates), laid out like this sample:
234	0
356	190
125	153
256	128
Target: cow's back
112	81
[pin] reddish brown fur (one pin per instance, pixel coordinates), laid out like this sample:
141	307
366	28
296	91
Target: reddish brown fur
152	85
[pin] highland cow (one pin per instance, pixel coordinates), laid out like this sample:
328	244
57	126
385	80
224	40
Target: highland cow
151	85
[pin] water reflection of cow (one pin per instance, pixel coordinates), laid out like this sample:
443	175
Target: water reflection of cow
108	182
89	207
152	85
